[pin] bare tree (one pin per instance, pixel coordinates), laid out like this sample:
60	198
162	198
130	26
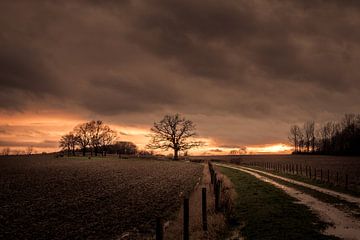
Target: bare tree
29	150
234	152
325	132
332	137
68	142
125	147
309	134
93	135
6	151
64	144
295	136
95	130
107	137
241	150
173	132
83	136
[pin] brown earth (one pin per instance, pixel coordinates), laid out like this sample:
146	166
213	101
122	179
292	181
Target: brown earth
46	198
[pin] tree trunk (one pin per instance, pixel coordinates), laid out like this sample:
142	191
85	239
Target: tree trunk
313	144
176	154
84	151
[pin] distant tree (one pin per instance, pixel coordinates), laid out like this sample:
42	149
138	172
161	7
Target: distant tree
340	138
234	152
107	138
68	143
93	135
83	136
16	152
64	144
95	132
73	142
6	151
124	147
29	150
173	132
309	134
241	150
145	153
325	135
295	136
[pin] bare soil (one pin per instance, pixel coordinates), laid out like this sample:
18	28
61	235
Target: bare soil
46	198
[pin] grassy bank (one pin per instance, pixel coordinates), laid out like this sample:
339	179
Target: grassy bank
265	212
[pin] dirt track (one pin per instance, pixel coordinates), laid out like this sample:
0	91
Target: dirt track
343	225
343	196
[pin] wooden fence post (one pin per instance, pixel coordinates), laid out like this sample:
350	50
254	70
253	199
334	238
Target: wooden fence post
211	176
204	210
346	181
217	196
337	178
159	229
328	176
215	181
186	219
321	176
315	173
309	172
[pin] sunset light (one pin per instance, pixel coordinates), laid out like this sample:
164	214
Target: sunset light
42	133
271	149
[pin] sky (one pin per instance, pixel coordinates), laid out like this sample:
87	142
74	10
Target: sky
242	71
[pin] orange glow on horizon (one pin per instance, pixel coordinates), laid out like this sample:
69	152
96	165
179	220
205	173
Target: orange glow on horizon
270	149
25	129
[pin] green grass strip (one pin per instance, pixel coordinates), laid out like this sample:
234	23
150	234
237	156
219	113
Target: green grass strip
265	212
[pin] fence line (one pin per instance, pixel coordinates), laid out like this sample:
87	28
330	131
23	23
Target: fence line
315	174
217	186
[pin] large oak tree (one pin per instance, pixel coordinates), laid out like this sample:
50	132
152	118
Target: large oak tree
173	132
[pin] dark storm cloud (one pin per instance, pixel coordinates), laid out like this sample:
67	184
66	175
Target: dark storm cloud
23	69
119	94
252	66
278	39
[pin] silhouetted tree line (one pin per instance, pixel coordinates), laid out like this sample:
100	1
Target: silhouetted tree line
338	138
122	147
95	137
